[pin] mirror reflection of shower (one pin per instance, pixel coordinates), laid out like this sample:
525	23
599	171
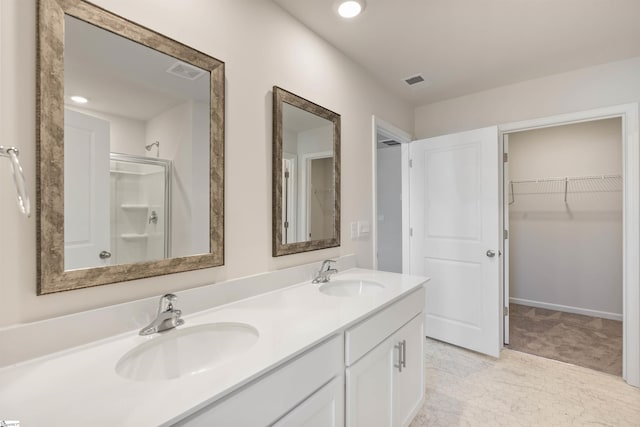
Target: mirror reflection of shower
140	208
150	146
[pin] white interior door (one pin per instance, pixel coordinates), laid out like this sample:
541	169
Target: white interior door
456	238
86	191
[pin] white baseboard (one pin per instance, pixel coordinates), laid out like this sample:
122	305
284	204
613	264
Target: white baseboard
567	309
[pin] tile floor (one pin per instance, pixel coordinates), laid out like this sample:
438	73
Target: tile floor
464	388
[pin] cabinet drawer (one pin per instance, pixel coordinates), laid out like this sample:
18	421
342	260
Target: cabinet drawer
364	336
267	399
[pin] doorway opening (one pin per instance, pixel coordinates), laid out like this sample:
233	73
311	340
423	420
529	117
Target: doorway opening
390	201
564	252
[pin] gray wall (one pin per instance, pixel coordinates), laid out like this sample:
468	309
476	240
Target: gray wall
389	185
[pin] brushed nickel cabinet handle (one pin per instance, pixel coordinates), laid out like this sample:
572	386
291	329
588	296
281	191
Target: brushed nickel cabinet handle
404	353
400	356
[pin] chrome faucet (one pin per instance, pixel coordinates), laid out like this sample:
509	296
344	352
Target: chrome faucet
168	317
324	274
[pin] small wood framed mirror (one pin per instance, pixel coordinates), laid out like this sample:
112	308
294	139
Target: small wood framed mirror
306	175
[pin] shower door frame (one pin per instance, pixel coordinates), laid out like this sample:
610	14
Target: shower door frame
167	165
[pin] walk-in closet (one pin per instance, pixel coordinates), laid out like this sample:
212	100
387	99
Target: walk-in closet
564	195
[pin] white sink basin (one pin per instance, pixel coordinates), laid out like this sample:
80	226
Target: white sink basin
186	351
351	288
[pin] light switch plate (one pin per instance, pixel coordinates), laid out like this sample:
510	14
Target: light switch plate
354	230
364	228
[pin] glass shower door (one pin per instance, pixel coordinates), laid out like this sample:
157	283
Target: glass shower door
140	208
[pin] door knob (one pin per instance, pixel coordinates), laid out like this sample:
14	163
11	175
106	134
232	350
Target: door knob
491	253
105	255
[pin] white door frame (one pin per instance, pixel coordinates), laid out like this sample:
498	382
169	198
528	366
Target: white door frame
379	126
292	213
630	223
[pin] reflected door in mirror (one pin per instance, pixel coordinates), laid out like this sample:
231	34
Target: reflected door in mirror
321	198
86	196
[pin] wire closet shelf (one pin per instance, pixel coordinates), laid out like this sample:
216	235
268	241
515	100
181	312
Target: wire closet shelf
565	185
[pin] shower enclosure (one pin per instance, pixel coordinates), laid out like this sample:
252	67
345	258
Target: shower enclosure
140	220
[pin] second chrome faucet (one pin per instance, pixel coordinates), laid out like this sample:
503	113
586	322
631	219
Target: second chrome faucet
168	316
324	274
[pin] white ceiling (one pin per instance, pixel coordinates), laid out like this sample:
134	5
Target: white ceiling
122	77
466	46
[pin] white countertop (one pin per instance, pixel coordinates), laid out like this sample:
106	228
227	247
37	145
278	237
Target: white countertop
79	387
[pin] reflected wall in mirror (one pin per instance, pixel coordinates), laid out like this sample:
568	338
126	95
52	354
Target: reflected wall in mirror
130	151
306	175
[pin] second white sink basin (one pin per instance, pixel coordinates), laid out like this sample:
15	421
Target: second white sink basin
186	351
351	288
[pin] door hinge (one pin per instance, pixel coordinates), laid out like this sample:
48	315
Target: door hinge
506	311
286	224
410	163
505	234
411	231
505	157
286	174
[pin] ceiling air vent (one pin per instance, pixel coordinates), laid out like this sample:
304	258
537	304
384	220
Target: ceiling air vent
185	71
390	142
414	80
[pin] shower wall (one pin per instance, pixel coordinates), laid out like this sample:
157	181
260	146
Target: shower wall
137	197
179	129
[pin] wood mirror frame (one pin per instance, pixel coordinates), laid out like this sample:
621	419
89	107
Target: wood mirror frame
52	276
281	96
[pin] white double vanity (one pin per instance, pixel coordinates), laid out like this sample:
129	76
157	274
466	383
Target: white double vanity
347	352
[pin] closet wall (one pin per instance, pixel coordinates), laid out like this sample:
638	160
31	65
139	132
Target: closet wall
567	256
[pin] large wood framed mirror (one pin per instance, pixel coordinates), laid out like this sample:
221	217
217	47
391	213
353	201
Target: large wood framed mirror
306	175
130	151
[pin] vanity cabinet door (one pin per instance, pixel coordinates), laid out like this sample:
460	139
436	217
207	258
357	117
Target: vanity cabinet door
408	384
324	408
386	387
370	387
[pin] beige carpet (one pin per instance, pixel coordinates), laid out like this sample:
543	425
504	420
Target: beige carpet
582	340
467	389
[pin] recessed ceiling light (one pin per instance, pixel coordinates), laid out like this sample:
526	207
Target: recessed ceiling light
350	8
79	99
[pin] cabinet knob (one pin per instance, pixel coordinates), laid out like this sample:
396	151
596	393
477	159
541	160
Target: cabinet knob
105	255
